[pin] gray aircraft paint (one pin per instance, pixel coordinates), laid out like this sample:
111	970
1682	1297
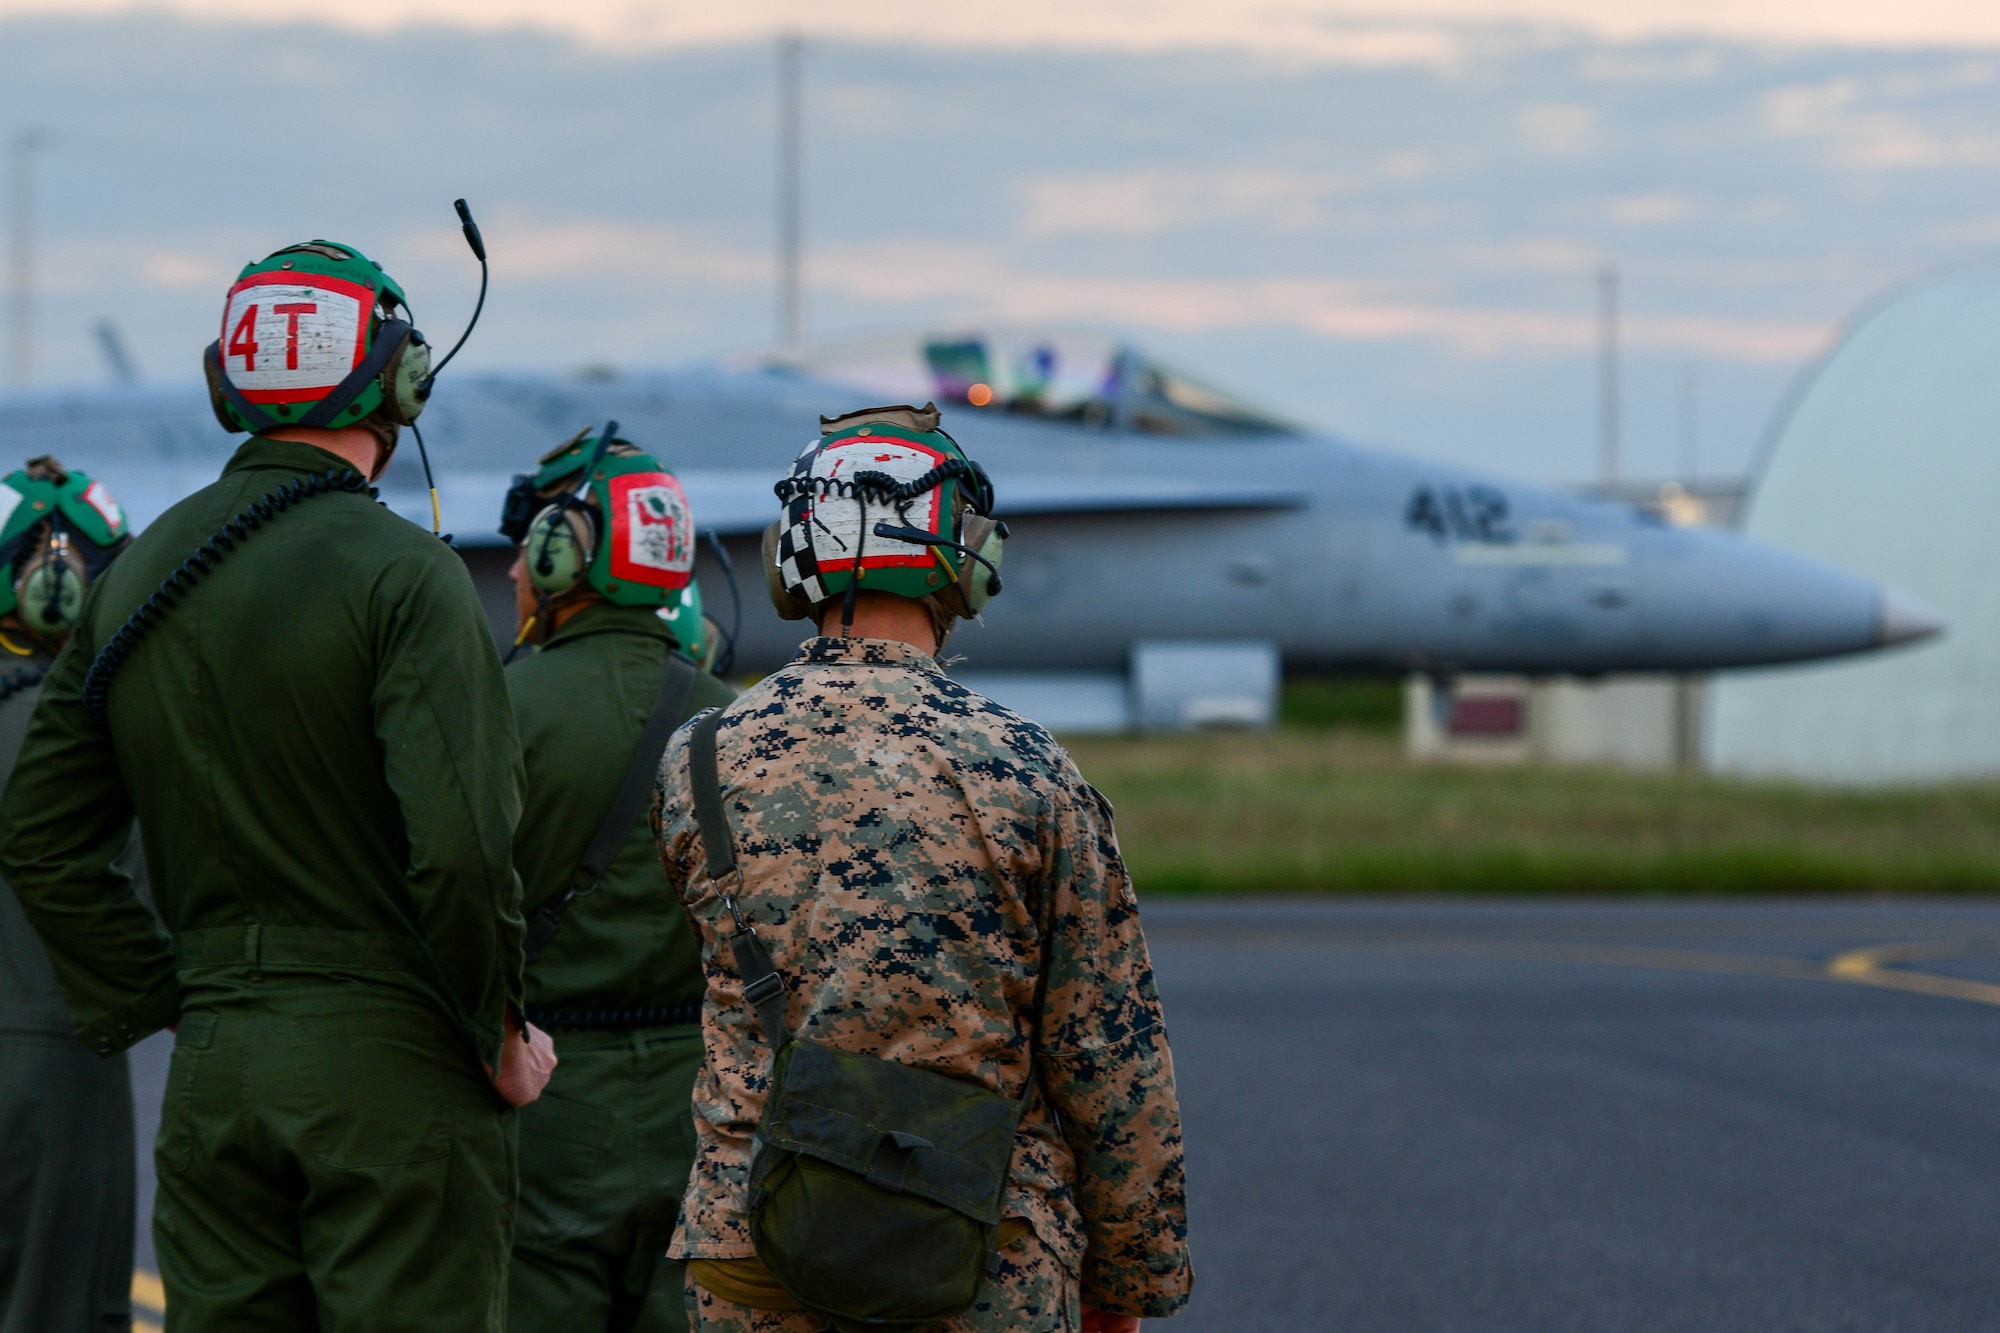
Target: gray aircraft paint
1343	557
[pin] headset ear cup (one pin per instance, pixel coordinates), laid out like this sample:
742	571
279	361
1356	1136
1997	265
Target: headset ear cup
412	370
981	534
211	369
788	604
49	589
403	379
559	548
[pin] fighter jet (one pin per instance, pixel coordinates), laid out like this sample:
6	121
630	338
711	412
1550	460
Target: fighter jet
1143	505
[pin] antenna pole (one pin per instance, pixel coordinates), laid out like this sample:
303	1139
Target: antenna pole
1608	442
123	371
791	202
1690	422
21	254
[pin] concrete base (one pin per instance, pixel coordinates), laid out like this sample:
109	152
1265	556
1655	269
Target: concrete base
1648	723
1075	703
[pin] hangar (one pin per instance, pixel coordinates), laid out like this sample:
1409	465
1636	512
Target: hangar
1886	461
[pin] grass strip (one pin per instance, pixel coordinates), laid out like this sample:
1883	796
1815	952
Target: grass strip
1344	812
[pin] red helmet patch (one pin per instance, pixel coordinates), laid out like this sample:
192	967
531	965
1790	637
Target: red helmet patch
292	337
652	530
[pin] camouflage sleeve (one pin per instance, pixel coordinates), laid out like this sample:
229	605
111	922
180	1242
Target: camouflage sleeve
671	814
671	801
1106	1067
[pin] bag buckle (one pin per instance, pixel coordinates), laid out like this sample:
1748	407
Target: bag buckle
764	988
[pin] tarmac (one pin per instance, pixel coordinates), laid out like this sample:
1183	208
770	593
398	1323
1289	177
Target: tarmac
1464	1114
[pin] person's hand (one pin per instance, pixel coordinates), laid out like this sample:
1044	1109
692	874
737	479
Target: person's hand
1097	1321
525	1066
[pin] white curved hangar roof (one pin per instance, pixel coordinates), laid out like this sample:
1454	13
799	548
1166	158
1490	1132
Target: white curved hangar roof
1888	463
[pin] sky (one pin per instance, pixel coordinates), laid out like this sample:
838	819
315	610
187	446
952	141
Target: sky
1387	225
1357	30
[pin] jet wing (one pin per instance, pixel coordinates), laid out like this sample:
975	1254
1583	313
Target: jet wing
1023	496
740	504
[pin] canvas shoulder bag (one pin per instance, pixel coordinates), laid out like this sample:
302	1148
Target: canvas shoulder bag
875	1187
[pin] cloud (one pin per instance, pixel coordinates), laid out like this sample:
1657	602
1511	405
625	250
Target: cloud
1832	111
1649	210
942	281
1367	32
1531	254
96	266
595	249
1147	203
1559	129
178	272
1622	66
1968	231
980	282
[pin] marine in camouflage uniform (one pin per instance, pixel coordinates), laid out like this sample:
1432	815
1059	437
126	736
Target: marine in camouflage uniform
919	860
605	1150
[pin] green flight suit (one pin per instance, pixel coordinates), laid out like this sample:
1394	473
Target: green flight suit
318	744
66	1149
605	1152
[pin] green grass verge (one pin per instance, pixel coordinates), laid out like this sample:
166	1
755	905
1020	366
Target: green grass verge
1362	703
1342	811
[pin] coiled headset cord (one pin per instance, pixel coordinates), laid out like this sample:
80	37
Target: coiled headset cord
119	647
881	488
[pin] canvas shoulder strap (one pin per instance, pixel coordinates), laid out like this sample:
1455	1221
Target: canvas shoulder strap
763	984
669	710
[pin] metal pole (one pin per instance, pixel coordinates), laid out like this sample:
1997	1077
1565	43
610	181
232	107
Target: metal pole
1607	373
790	192
116	358
21	254
1690	422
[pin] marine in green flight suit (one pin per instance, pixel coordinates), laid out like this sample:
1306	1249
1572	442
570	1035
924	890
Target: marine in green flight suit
66	1143
605	1151
316	738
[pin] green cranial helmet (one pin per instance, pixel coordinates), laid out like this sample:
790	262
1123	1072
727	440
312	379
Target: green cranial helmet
58	531
625	531
684	617
311	336
886	492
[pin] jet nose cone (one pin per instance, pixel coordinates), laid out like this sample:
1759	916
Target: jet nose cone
1904	617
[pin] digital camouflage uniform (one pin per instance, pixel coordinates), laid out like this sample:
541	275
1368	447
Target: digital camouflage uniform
66	1149
318	743
605	1149
915	855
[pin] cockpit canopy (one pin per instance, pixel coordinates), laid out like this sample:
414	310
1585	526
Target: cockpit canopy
1079	377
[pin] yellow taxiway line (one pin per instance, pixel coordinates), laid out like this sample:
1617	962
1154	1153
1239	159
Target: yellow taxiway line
1881	965
1877	967
149	1302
